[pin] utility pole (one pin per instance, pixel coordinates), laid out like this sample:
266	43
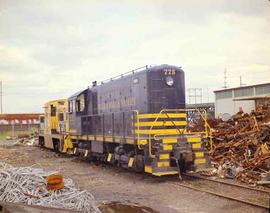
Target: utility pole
241	84
1	96
225	78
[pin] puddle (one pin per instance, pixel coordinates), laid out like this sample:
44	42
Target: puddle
116	207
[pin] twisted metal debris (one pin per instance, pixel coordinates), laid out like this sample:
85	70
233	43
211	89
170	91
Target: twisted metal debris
242	145
28	185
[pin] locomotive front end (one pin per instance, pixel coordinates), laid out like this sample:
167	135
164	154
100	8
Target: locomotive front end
163	133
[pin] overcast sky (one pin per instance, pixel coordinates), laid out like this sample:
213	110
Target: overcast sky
51	49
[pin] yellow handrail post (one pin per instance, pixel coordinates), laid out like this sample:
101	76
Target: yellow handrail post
206	125
138	127
149	138
211	140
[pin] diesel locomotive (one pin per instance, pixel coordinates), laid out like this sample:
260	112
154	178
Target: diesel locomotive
136	120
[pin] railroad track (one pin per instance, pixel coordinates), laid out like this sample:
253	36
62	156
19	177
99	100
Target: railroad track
213	179
232	191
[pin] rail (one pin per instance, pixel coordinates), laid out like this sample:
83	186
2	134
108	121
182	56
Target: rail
126	73
255	197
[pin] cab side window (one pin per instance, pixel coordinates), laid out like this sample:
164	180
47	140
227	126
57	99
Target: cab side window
61	116
53	110
70	106
80	103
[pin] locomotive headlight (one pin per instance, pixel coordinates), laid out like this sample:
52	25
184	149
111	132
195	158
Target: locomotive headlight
169	81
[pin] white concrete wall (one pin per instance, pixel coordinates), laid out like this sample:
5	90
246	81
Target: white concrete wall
229	106
223	106
247	106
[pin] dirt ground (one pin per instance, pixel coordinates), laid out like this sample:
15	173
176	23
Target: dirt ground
111	184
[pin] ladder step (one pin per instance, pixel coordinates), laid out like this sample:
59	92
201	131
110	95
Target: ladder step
165	173
199	154
194	139
200	161
163	164
196	145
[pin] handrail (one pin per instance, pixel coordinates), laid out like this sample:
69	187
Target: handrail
206	125
124	74
149	137
138	127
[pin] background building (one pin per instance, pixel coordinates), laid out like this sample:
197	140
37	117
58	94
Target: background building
19	122
246	97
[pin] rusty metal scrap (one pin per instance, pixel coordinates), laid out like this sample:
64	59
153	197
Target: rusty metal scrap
243	142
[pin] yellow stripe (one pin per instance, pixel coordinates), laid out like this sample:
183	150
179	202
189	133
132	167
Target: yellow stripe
170	115
167	147
72	130
108	139
191	140
130	162
169	140
200	161
199	154
165	173
148	169
196	146
163	164
109	157
99	138
83	137
91	137
164	156
159	131
161	123
130	141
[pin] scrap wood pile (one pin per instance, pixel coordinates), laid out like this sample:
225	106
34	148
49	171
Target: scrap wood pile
34	186
241	146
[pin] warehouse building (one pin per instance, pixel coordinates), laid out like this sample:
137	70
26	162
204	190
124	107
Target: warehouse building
230	100
19	122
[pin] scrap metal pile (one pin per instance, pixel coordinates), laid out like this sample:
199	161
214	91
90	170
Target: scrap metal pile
241	146
29	140
24	139
29	185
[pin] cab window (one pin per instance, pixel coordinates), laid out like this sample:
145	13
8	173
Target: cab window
61	116
70	106
80	103
53	110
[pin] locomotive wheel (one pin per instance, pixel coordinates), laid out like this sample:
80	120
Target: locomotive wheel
56	146
139	165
